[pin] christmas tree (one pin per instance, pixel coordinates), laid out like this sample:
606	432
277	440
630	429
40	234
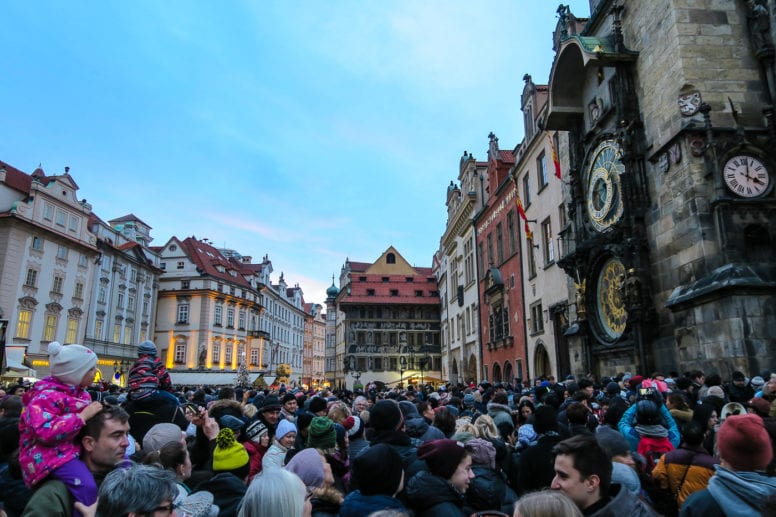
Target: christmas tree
243	380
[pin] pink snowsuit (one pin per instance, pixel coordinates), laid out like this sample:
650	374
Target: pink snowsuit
48	428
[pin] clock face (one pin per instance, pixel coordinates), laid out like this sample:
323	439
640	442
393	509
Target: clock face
746	176
610	307
603	194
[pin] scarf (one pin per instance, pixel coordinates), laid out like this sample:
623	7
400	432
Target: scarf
655	430
739	492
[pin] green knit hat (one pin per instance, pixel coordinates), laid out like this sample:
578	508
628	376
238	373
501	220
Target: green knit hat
321	433
229	454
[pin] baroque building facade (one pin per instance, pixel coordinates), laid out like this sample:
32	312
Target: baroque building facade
499	272
388	325
669	111
455	265
537	175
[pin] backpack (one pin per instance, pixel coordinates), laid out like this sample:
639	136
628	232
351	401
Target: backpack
652	449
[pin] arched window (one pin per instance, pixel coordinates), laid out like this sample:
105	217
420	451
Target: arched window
390	258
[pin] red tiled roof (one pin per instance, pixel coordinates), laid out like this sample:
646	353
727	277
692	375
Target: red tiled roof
506	156
198	251
127	245
359	266
17	179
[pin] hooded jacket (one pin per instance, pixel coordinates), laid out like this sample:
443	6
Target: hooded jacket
502	417
228	491
431	496
48	427
622	503
357	504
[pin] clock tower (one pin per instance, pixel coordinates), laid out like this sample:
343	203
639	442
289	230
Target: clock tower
670	199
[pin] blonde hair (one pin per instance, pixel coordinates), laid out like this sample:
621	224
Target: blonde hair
464	425
547	503
250	410
338	412
486	427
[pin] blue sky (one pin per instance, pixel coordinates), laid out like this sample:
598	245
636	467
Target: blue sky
310	131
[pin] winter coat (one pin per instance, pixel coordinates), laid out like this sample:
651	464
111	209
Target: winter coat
502	417
325	502
53	499
536	467
275	456
693	464
431	496
731	493
401	443
622	503
628	430
420	431
228	491
255	453
357	446
156	409
357	505
741	394
488	491
147	375
14	495
48	428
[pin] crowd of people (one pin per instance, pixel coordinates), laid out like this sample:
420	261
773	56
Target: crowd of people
688	444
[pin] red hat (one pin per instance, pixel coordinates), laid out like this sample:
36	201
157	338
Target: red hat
635	381
760	406
744	444
442	456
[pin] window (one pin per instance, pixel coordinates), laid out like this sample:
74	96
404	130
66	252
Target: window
180	353
370	292
541	168
79	291
219	313
468	262
48	212
56	287
133	275
185	284
62	252
394	292
216	353
228	354
23	324
531	257
183	313
561	226
241	321
117	333
549	244
130	303
101	295
490	249
180	264
500	243
537	321
60	220
240	351
481	259
511	232
50	332
230	317
418	293
98	330
163	265
255	357
120	301
390	258
31	279
75	223
72	330
37	243
526	190
143	334
145	307
127	334
83	260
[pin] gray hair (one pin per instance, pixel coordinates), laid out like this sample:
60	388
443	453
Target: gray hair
274	491
139	489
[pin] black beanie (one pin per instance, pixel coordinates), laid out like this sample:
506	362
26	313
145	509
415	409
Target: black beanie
545	419
378	470
318	404
385	415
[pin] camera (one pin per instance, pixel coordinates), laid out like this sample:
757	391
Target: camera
652	394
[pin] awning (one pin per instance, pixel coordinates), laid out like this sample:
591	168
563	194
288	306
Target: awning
207	378
14	360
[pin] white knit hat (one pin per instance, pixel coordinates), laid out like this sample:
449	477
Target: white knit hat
69	363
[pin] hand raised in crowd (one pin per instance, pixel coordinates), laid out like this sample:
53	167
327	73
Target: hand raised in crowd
89	411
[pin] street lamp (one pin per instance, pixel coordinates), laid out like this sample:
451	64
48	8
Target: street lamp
402	369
